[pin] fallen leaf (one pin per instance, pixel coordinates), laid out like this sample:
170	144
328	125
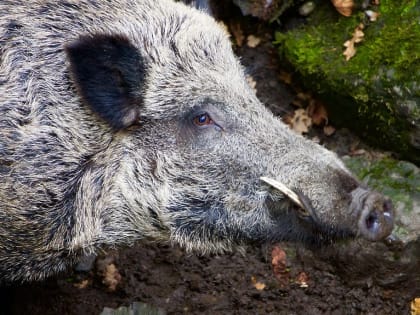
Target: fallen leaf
329	130
237	33
344	7
357	152
415	306
253	41
83	284
224	27
251	82
372	15
112	277
318	113
302	279
350	50
278	262
305	96
258	285
358	35
300	122
285	77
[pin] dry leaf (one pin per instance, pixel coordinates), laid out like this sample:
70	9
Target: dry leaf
350	50
358	35
251	82
318	113
83	284
372	15
278	262
300	122
111	277
344	7
224	27
302	99
253	41
329	130
285	77
302	279
415	306
357	152
258	285
237	33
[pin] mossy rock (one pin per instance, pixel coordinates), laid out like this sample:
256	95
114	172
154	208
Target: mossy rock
377	92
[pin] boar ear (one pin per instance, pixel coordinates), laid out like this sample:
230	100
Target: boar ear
108	72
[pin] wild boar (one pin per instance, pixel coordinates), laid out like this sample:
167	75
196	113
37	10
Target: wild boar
125	120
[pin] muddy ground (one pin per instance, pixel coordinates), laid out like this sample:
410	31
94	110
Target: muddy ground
179	283
238	283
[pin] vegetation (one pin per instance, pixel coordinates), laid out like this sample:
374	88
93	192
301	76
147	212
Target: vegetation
377	92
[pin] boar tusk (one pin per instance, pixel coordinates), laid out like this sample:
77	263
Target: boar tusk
285	190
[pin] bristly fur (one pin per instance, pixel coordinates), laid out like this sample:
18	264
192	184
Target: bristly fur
99	143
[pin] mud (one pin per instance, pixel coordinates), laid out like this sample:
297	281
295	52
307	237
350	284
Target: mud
179	283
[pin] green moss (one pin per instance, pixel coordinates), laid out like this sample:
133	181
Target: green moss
378	82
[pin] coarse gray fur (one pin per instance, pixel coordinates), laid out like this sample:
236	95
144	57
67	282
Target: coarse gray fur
74	180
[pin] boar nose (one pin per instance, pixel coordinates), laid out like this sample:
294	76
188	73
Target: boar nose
376	219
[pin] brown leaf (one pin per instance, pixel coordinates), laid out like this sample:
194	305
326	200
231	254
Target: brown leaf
350	50
302	279
83	284
251	82
300	121
372	15
318	113
238	34
358	35
285	77
253	41
329	130
224	27
257	285
107	269
278	262
415	306
344	7
112	277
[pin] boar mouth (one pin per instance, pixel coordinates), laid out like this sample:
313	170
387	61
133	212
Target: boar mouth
297	197
320	233
375	214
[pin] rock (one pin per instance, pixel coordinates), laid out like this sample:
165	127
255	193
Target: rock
376	92
135	308
268	10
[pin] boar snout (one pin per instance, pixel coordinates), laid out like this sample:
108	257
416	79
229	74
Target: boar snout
376	214
368	213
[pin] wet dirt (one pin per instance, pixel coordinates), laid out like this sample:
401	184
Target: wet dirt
181	283
237	283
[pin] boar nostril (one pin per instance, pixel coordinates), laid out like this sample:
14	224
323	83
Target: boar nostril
372	221
377	218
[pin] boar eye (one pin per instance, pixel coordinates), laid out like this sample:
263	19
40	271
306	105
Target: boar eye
203	120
